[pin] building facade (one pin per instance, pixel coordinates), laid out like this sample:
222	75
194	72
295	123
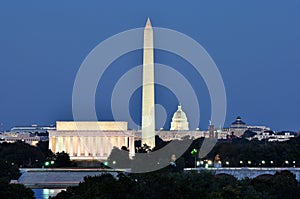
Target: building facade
238	127
179	120
31	129
90	140
29	138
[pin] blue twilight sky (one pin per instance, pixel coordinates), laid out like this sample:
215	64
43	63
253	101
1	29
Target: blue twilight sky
255	44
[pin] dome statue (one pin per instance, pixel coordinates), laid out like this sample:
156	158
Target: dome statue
179	120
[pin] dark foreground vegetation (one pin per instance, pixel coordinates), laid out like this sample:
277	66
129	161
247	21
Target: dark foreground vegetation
174	183
184	185
237	152
9	171
19	154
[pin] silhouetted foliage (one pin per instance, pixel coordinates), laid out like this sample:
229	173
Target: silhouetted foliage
43	146
8	171
22	154
248	134
184	185
259	153
238	152
119	158
62	159
15	191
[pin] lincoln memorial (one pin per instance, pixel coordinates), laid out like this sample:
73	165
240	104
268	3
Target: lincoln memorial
90	140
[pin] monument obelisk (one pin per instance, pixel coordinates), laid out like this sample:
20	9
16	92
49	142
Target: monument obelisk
148	109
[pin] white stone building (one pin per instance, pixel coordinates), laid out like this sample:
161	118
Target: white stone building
90	140
11	137
179	120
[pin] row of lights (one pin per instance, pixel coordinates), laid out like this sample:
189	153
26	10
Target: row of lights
206	163
249	162
264	162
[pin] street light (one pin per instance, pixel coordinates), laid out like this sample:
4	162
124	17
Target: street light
249	162
286	162
194	152
209	162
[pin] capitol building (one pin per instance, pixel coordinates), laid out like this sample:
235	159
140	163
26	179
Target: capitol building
179	120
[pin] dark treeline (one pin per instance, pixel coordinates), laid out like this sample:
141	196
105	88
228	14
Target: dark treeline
184	185
9	171
241	152
25	155
237	152
19	154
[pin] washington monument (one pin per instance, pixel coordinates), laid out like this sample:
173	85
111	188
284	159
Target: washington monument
148	110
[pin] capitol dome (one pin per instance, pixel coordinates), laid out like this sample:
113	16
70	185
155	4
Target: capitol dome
179	120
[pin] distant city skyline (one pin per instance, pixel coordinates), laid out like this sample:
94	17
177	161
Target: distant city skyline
254	44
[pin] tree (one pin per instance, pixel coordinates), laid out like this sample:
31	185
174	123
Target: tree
62	159
43	146
8	171
164	184
119	158
15	191
21	154
144	149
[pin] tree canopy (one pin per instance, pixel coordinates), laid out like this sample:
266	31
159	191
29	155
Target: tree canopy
184	185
